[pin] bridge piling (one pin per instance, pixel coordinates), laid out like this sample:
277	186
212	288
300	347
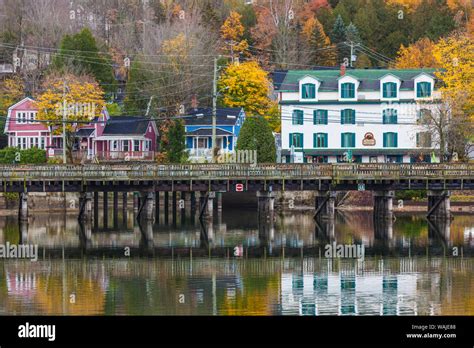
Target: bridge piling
149	205
210	204
23	208
439	204
96	210
325	202
124	207
106	209
157	206
85	200
115	216
136	203
166	201
219	201
266	205
383	205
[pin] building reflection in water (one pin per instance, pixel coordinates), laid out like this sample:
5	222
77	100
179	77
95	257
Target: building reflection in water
392	283
311	286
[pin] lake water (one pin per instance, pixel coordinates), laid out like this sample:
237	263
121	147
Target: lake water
236	266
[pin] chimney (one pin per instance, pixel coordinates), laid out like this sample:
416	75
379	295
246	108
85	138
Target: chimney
194	102
343	69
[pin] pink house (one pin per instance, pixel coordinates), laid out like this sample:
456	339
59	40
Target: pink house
105	138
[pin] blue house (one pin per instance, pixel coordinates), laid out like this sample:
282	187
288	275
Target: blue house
198	125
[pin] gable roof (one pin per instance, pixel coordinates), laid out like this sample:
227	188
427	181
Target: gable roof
9	112
21	102
126	125
192	118
369	78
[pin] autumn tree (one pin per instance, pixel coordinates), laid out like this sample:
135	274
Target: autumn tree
78	98
417	55
452	121
232	32
247	86
319	43
455	54
11	91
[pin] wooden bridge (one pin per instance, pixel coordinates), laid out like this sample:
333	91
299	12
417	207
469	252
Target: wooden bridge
264	179
235	177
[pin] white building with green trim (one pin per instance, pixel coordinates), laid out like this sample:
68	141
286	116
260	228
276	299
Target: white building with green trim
360	115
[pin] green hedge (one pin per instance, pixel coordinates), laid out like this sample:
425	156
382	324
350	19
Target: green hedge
12	155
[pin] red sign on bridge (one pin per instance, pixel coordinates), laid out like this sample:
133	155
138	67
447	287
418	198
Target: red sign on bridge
239	187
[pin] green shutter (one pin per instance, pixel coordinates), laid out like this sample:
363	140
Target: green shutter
342	117
291	139
395	140
384	139
353	138
353	116
325	140
384	87
315	139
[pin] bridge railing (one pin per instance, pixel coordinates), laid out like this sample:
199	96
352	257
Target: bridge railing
151	171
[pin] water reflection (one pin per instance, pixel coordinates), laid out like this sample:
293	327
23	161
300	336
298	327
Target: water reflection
236	264
312	286
284	234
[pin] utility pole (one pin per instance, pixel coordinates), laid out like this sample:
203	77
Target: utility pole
214	111
64	122
148	107
352	53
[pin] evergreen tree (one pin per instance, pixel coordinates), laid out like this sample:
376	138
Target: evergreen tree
352	34
256	134
172	142
338	36
135	98
80	51
319	42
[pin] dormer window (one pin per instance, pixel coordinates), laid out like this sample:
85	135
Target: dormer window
347	90
389	90
308	91
423	89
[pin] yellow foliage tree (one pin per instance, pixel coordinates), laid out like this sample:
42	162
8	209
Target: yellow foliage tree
11	91
232	32
247	85
417	55
455	55
78	98
410	5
